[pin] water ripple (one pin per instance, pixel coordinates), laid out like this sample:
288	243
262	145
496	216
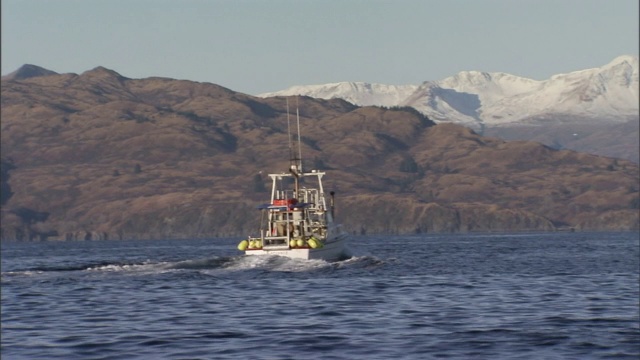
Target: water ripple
535	296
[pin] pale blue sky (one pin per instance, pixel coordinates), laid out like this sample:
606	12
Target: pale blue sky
255	46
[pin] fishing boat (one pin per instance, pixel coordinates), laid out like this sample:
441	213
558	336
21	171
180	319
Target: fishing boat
298	222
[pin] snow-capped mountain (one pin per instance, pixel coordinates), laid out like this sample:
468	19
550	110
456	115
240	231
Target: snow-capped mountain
477	99
359	93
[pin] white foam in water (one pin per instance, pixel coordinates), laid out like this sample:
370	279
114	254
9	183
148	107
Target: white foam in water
276	263
131	267
21	273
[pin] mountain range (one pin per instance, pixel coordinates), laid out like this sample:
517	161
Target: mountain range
476	99
98	155
577	109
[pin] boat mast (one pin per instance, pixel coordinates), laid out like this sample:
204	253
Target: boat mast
295	163
289	134
299	142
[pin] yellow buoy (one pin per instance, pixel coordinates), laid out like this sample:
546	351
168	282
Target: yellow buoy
258	244
242	246
300	242
313	243
318	242
293	243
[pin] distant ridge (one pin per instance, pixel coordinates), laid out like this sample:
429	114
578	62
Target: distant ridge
593	110
103	72
27	71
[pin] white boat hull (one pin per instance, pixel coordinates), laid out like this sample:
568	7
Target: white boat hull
331	251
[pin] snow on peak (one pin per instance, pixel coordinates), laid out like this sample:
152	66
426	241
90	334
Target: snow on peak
476	98
359	93
628	59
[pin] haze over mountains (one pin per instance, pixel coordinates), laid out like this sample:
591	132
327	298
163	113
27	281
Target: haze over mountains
98	155
587	103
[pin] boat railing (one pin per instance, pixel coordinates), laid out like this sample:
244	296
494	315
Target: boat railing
312	197
276	241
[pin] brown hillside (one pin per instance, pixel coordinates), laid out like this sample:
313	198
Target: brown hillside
98	155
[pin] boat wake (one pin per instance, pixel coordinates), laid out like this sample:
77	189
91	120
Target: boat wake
217	265
274	263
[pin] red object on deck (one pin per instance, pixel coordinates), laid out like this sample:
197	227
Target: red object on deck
285	202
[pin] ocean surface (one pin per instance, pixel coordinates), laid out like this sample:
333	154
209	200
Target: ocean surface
489	296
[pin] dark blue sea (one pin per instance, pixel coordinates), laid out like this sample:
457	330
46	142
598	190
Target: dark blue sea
489	296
